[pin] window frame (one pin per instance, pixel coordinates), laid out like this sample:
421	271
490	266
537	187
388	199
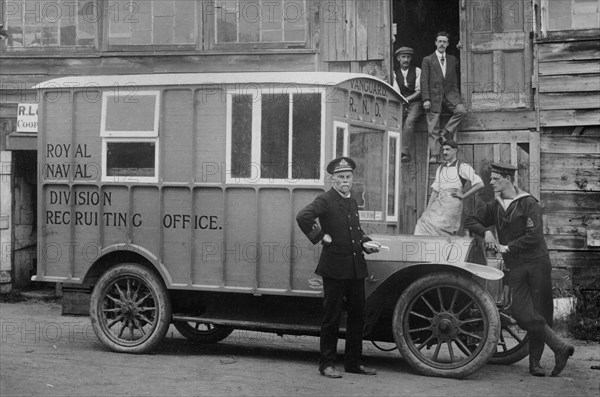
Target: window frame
387	136
124	97
572	31
79	49
129	178
130	137
210	33
337	125
255	158
391	135
196	45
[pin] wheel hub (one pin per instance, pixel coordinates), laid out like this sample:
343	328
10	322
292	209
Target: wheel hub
445	326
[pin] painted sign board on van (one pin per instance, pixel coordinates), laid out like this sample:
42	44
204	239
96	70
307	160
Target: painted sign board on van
27	117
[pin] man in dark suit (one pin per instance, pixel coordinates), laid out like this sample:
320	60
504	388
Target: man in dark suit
342	266
440	88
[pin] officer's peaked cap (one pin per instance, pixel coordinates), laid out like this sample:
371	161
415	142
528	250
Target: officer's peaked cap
341	164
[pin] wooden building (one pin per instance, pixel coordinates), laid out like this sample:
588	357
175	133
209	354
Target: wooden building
530	81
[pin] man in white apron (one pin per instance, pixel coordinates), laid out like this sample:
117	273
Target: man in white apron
444	211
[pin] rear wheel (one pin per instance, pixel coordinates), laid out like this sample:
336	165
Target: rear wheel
202	332
130	309
446	325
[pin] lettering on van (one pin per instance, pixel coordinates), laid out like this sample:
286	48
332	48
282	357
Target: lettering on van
367	106
64	170
185	221
369	87
93	218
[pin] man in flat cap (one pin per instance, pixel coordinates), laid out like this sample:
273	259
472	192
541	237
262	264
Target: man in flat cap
444	212
518	220
341	265
408	81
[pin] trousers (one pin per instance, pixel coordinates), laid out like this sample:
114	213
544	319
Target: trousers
336	295
532	307
433	118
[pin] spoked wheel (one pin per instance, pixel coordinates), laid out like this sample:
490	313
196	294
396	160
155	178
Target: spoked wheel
446	325
130	309
513	345
202	332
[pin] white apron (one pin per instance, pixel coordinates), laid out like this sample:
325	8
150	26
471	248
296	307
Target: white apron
442	217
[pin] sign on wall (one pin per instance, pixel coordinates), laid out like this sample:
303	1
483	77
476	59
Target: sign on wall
27	117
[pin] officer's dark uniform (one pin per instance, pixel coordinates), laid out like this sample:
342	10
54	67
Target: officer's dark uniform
343	268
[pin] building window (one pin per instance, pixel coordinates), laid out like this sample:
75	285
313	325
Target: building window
159	22
571	14
129	131
260	21
51	23
274	136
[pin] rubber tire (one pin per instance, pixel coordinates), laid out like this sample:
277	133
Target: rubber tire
154	284
513	355
214	335
475	293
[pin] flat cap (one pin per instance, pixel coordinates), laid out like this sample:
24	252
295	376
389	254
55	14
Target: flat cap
503	168
453	144
341	164
404	50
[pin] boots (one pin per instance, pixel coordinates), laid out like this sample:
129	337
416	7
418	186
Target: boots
562	351
535	368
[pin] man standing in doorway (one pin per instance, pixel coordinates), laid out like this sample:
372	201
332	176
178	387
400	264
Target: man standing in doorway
440	89
518	220
342	266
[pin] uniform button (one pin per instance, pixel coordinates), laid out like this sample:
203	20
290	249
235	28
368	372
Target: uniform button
350	228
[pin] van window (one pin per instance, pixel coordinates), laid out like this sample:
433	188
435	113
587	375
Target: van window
129	131
274	136
367	149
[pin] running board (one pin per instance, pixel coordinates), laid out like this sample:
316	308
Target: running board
278	328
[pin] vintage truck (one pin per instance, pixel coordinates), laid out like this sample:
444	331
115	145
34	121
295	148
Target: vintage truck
174	196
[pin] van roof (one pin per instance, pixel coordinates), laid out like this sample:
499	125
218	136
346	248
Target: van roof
170	79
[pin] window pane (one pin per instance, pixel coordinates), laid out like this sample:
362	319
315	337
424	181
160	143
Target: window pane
306	137
391	199
295	21
157	22
130	158
56	23
586	14
253	21
559	14
241	136
339	142
137	114
274	136
366	148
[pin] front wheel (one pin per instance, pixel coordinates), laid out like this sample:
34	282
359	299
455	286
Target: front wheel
130	309
446	325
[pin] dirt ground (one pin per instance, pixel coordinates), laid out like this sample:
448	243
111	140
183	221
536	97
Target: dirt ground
45	354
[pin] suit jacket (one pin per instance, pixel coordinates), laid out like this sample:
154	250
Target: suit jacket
434	86
343	258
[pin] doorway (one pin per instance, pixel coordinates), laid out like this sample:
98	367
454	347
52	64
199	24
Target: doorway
417	22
